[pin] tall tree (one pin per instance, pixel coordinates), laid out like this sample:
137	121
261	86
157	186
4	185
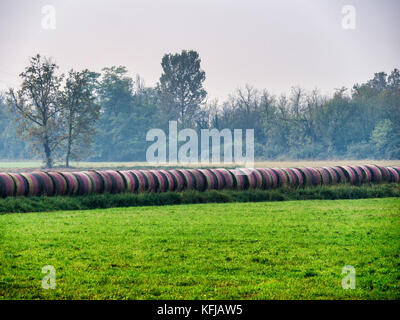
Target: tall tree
79	112
181	85
115	98
36	105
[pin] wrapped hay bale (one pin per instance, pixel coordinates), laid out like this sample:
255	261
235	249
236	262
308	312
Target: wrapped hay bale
21	184
7	185
60	184
72	183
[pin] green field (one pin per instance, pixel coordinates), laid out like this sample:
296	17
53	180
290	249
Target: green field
278	250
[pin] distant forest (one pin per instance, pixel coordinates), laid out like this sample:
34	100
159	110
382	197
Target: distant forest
109	114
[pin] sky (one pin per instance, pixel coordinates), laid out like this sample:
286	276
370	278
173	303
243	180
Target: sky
270	44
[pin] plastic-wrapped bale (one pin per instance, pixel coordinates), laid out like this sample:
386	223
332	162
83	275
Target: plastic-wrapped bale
85	185
291	177
140	179
219	178
128	187
199	180
97	181
349	173
228	178
157	181
341	173
397	169
325	175
333	175
354	178
282	176
60	184
316	176
248	180
46	183
241	179
118	182
211	180
274	176
131	181
394	175
255	178
34	185
375	172
360	174
189	182
21	185
367	175
7	185
251	180
109	184
299	176
385	173
307	177
179	179
171	183
72	183
266	178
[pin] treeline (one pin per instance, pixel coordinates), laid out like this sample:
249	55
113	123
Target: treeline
105	116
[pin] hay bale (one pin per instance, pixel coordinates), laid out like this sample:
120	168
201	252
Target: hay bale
60	184
171	183
394	175
179	179
189	182
375	172
228	178
7	185
21	185
46	182
200	179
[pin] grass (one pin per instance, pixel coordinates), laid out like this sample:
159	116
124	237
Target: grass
276	250
341	191
84	165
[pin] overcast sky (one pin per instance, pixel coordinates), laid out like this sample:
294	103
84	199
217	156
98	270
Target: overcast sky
273	44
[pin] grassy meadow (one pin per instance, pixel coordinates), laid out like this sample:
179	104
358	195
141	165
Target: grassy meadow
266	250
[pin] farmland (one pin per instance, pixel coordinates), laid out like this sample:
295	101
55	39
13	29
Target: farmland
279	250
18	166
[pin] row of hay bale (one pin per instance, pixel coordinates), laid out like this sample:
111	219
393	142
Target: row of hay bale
111	181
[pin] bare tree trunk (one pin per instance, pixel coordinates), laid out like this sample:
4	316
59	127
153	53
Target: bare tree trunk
47	152
68	147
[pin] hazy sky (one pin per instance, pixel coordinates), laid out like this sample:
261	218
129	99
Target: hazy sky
272	44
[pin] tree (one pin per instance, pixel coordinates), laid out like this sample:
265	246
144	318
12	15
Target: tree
36	106
181	85
115	92
79	112
11	146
